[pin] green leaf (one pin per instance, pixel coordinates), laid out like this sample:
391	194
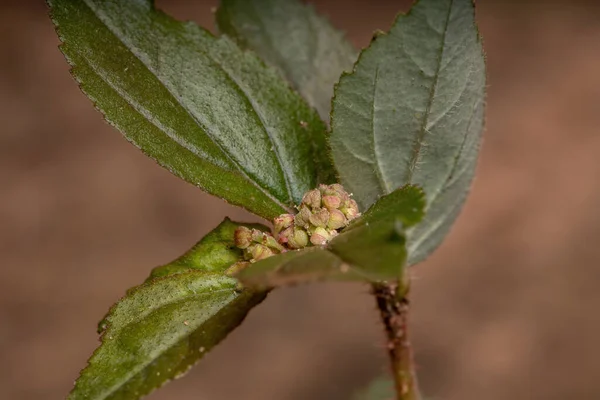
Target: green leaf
158	330
216	252
371	249
406	205
412	113
208	111
294	267
291	36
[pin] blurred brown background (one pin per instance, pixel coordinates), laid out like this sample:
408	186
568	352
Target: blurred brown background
506	309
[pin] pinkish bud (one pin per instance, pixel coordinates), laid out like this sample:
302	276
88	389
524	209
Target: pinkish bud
284	235
320	237
337	220
242	237
320	218
299	239
312	198
337	188
282	222
332	202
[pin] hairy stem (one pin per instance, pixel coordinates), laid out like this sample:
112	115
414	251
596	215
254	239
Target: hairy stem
393	304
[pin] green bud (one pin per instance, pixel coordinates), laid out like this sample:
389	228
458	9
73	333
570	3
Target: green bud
282	222
337	220
312	198
320	218
298	239
260	252
350	210
271	243
332	202
242	237
257	236
320	237
302	219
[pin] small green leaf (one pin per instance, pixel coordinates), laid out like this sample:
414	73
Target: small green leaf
160	329
377	249
411	112
291	36
294	267
406	204
208	111
214	253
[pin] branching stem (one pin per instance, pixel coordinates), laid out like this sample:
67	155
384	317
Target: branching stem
393	304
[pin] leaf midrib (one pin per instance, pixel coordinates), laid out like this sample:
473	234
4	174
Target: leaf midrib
419	140
188	112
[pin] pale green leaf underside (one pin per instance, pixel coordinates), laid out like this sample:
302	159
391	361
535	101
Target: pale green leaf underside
411	112
209	112
292	37
159	330
371	249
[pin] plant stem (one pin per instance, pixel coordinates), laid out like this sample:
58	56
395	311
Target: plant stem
393	304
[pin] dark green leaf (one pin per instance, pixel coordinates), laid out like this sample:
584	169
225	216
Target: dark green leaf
412	113
159	330
209	112
216	252
291	36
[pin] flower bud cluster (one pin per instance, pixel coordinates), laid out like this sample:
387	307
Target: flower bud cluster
257	245
323	212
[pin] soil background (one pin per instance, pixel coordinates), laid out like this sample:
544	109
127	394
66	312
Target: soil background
507	308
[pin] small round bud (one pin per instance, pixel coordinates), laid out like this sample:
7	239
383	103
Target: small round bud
257	236
299	239
242	237
282	222
332	201
284	235
337	220
320	218
271	243
350	210
303	217
337	187
312	198
260	252
320	237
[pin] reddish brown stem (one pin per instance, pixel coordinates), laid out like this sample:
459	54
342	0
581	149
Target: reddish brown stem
393	304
